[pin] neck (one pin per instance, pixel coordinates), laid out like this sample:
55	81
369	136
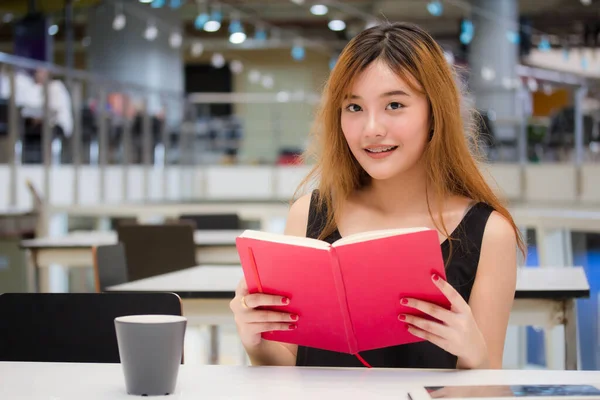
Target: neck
405	193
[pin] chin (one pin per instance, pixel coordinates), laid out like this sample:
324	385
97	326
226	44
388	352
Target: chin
382	174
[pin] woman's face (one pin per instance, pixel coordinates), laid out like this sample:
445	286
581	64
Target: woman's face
385	123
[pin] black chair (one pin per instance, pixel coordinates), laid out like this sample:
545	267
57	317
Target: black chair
110	266
214	221
71	327
152	250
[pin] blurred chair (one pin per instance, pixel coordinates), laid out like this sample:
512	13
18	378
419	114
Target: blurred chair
118	221
157	249
71	327
110	266
214	221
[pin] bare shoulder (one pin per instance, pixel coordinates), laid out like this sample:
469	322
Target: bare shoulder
499	232
499	246
297	219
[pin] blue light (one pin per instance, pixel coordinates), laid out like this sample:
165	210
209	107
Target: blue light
466	34
435	8
260	34
465	38
216	16
176	3
235	26
584	62
544	45
332	62
158	3
513	37
298	53
201	19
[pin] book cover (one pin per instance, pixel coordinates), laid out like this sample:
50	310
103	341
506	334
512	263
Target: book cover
347	295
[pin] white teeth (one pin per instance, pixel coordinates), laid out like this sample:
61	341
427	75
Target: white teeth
381	149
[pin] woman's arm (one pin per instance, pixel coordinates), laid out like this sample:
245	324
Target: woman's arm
275	353
494	288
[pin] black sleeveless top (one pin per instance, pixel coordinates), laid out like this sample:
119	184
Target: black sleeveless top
460	273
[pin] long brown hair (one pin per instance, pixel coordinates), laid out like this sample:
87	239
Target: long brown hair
450	157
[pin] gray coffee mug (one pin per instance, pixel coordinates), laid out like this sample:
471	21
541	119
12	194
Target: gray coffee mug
151	349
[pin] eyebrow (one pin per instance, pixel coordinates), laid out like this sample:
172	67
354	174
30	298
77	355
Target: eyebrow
386	94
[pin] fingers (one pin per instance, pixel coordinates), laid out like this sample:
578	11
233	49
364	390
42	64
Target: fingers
431	309
265	300
266	316
451	294
430	337
269	327
426	325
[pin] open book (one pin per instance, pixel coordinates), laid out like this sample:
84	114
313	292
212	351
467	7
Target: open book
346	294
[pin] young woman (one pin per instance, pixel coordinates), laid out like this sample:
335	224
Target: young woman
394	152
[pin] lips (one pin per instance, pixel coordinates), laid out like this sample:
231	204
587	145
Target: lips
380	149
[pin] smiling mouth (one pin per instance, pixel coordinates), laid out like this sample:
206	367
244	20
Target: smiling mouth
376	150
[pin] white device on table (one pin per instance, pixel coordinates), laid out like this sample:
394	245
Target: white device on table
507	392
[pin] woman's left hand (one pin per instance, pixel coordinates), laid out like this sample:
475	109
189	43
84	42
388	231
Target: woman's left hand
456	332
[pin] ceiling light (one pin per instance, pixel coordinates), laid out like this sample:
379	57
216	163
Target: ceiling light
175	40
212	26
337	25
298	53
236	30
236	67
267	81
146	1
119	22
151	32
197	49
237	37
319	9
435	8
53	30
201	20
217	60
254	76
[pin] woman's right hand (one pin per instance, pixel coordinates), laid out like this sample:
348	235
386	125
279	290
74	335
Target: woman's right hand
252	322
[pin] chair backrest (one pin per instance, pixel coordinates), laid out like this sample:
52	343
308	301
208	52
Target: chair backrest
110	266
71	327
157	249
214	221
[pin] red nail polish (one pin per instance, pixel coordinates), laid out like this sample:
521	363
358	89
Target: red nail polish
285	300
402	317
435	277
292	327
404	301
294	317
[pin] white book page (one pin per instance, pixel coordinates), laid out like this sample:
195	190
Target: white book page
378	234
285	239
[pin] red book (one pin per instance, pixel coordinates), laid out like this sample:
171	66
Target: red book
346	294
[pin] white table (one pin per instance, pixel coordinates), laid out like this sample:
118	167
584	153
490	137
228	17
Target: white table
46	381
74	249
544	297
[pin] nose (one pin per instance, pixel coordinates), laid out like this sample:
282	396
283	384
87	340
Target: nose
374	126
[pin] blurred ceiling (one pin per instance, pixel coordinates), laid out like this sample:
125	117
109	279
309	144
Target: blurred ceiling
19	7
560	18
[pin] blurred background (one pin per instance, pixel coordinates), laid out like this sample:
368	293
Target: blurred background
113	109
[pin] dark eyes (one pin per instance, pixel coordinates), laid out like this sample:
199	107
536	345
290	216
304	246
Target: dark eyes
394	105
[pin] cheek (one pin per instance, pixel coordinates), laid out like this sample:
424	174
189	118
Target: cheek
411	131
351	131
